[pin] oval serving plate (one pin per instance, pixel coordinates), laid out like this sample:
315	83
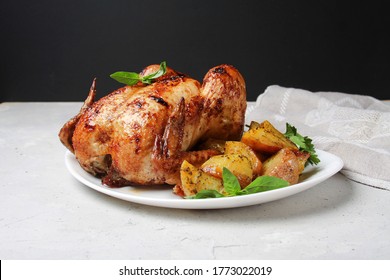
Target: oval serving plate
162	196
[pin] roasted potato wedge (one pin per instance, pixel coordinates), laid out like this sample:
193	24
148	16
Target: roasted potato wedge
194	180
284	164
239	165
240	148
265	138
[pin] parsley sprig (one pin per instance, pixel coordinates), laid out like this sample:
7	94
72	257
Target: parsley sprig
304	143
232	186
131	78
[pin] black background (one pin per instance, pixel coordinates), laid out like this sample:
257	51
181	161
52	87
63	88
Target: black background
51	50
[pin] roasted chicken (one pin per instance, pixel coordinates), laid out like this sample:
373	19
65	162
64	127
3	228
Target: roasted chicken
141	134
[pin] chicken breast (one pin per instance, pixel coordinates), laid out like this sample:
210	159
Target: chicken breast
141	134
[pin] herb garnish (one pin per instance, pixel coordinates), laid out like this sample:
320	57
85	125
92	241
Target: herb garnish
302	142
131	78
232	186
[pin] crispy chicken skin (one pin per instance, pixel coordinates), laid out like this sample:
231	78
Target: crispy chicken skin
141	134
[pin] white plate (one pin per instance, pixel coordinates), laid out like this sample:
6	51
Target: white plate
162	196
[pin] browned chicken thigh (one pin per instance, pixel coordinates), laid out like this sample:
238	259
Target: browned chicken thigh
141	134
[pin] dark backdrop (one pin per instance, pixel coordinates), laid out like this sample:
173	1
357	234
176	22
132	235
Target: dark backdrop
51	50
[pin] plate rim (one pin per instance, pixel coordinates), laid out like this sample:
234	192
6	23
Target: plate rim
225	202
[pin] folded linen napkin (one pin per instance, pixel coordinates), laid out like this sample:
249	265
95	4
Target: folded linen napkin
354	127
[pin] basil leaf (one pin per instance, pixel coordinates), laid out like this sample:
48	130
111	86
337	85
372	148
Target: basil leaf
206	194
232	186
132	78
230	182
128	78
264	183
161	71
147	82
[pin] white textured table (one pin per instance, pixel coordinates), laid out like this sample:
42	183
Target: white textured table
46	214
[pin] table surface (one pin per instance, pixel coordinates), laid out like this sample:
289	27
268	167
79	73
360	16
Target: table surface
47	214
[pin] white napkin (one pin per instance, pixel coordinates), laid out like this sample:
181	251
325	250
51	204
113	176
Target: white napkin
354	127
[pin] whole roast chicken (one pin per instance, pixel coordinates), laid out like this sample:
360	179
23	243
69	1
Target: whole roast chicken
141	134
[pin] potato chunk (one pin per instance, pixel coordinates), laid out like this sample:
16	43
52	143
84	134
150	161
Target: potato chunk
284	164
240	148
239	165
302	159
265	138
193	180
213	144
